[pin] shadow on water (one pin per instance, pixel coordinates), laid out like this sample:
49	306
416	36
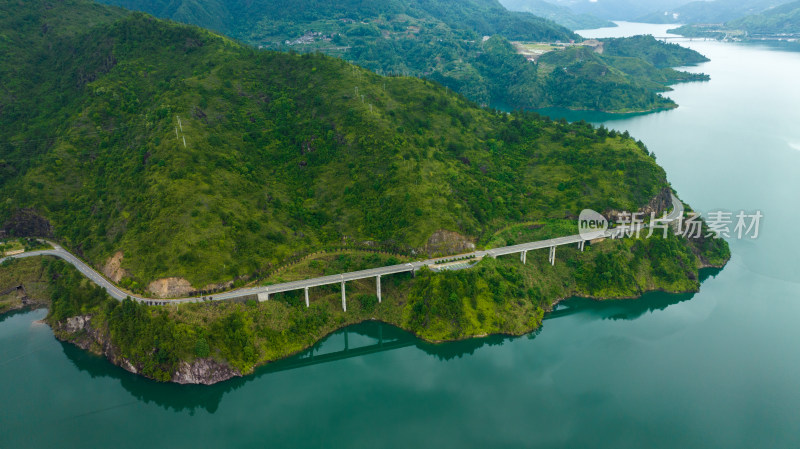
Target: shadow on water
384	337
13	313
381	337
626	309
167	395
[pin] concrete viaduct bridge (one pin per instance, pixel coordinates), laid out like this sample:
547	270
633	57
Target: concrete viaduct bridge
262	293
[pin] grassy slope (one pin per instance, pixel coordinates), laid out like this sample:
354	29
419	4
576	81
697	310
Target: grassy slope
30	274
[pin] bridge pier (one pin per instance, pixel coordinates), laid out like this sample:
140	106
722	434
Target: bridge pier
552	258
378	282
344	298
306	289
523	256
263	296
581	244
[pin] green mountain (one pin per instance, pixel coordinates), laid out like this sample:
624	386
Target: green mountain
707	12
240	17
778	23
558	14
784	19
175	152
284	153
654	52
442	40
581	78
617	9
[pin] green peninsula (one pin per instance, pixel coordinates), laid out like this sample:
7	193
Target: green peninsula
177	162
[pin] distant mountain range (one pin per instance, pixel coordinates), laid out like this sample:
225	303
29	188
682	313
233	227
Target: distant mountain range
778	23
784	19
244	18
465	45
561	15
628	10
708	12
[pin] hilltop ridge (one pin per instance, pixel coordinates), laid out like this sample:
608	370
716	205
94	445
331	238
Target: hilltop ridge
464	45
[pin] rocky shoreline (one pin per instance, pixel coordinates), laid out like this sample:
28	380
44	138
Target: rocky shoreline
79	331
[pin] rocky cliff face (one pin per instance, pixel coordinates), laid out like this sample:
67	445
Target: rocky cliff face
79	331
113	267
170	288
27	223
448	242
658	204
203	371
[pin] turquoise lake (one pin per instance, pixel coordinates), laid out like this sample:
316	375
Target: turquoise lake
716	369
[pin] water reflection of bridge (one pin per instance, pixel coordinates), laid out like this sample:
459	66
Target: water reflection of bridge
385	337
310	358
377	336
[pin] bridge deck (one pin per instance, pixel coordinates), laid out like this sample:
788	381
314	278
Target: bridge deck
119	294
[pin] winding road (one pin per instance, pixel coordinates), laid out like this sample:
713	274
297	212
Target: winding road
263	292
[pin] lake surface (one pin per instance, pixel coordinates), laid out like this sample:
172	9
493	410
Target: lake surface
720	368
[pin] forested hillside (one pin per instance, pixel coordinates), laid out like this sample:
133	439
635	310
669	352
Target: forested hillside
283	154
464	45
778	23
486	17
784	19
711	12
635	67
164	150
628	10
558	14
650	50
